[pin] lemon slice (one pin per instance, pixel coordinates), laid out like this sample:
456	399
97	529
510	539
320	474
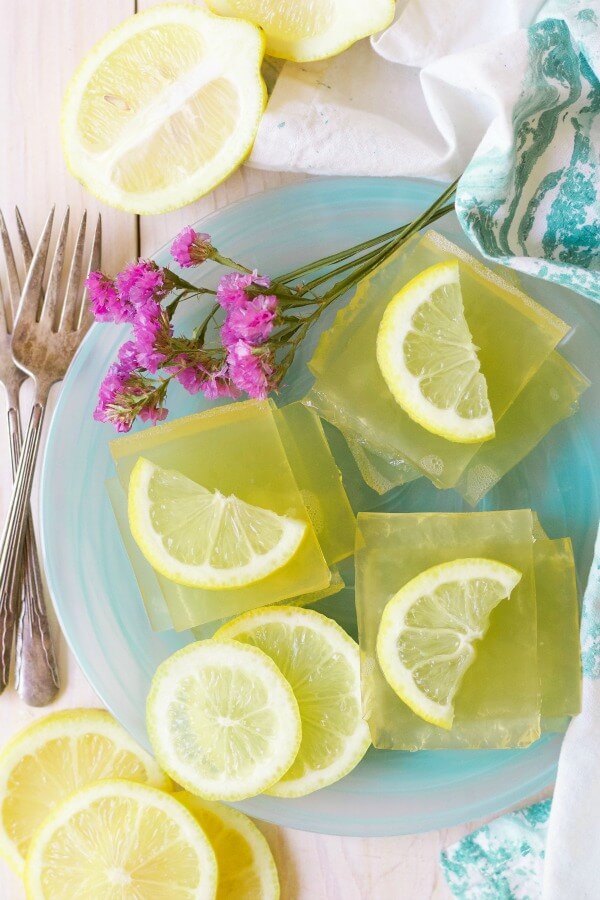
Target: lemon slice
222	719
119	839
54	756
428	360
164	107
203	539
304	31
246	866
321	663
427	631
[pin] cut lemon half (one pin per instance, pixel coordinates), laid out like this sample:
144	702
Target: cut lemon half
321	663
428	629
54	756
222	719
305	31
246	866
120	839
203	539
164	107
429	362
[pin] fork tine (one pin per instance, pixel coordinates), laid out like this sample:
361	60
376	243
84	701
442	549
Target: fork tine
14	286
67	320
50	302
86	316
24	239
32	289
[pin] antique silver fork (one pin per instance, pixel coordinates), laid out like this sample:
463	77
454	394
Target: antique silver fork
45	338
37	674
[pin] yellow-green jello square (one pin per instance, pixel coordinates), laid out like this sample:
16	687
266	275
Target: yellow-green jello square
235	449
498	703
513	333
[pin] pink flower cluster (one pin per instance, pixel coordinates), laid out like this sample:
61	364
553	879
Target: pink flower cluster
125	394
117	300
191	248
246	329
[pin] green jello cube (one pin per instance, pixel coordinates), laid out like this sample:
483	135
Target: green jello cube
286	459
498	703
513	333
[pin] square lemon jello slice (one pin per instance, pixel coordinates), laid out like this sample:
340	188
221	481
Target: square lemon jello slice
498	702
512	333
248	438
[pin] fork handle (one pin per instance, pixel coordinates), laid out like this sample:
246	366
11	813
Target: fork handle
36	672
9	601
13	534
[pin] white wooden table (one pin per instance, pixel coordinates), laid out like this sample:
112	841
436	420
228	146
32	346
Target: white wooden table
41	43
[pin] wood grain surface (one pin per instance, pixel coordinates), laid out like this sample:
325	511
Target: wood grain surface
41	43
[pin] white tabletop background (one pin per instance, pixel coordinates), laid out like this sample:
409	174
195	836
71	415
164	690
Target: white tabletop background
41	43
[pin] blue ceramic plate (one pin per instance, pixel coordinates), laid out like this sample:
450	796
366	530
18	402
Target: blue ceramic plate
94	591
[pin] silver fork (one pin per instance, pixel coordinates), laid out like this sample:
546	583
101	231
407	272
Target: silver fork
37	676
43	344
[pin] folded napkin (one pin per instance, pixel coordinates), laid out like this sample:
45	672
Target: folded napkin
549	850
475	87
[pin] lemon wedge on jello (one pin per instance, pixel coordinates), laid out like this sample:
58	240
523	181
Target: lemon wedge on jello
429	362
164	107
201	538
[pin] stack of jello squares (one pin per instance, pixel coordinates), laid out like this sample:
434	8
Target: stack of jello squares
530	386
276	461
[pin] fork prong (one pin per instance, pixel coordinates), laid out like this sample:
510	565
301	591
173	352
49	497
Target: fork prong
32	289
24	239
14	285
51	300
67	320
85	313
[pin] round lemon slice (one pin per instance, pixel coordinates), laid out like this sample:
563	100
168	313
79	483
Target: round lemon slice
164	107
304	31
246	866
203	539
321	663
429	362
428	629
120	839
54	756
222	719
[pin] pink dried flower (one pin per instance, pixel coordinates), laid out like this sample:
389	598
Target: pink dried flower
191	248
124	395
152	331
251	370
219	384
106	303
141	281
153	413
251	322
231	290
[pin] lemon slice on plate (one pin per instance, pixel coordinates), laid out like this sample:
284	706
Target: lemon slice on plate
428	629
54	756
427	357
120	839
164	107
222	720
321	663
304	31
246	866
203	539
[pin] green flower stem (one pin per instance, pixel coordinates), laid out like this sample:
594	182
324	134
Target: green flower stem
430	215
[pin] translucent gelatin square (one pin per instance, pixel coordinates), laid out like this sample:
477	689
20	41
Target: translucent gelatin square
514	334
235	449
498	703
551	396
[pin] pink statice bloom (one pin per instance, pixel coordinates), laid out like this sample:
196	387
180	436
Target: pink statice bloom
110	407
219	384
190	248
231	290
141	281
150	326
153	414
251	322
195	377
251	369
106	303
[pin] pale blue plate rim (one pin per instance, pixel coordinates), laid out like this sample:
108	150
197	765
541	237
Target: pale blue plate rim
291	816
